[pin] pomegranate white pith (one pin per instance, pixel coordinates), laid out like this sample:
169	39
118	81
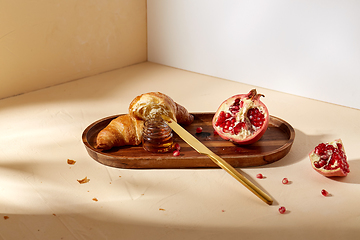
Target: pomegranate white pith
329	159
242	118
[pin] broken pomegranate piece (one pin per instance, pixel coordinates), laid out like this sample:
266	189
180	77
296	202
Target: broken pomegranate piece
329	159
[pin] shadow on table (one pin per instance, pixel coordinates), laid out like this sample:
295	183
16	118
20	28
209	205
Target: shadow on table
302	146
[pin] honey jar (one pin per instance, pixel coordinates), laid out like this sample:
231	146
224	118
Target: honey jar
157	136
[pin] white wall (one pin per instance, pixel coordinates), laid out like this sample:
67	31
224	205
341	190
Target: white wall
309	48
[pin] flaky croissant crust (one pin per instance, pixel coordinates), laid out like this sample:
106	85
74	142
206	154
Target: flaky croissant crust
149	105
152	104
121	131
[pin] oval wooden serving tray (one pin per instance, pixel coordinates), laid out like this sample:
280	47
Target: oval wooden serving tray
274	145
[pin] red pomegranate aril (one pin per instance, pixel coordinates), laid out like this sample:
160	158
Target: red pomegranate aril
321	163
333	159
282	210
324	193
324	157
316	164
177	146
285	181
199	130
260	176
176	153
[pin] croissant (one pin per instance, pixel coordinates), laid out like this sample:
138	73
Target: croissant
121	131
127	129
150	105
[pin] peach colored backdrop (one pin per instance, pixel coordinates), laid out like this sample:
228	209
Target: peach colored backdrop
44	43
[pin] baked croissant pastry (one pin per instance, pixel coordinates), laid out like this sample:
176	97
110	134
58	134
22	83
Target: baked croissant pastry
127	129
150	105
121	131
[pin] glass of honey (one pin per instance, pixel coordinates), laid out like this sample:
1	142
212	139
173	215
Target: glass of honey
157	136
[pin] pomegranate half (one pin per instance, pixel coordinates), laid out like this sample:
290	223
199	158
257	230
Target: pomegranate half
242	119
329	159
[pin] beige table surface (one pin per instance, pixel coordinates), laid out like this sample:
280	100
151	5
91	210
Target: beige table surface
40	194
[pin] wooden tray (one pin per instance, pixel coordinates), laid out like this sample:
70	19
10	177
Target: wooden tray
274	145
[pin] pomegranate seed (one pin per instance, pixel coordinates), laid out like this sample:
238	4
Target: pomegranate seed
324	192
199	130
282	210
260	176
322	163
285	181
316	164
176	153
177	146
